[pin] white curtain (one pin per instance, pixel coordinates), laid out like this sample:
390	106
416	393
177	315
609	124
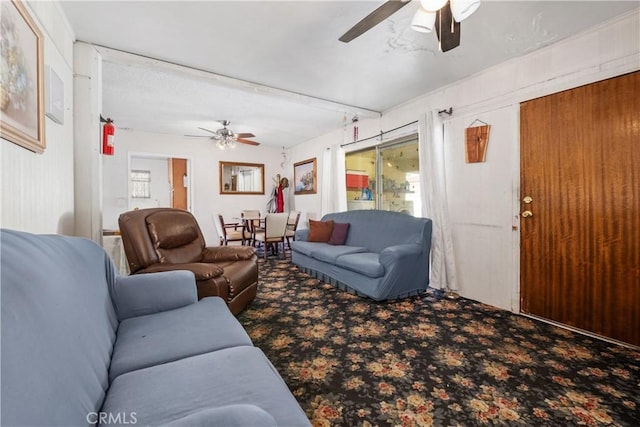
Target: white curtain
333	188
434	201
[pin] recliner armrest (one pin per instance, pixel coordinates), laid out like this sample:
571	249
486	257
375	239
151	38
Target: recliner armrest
227	253
202	270
143	294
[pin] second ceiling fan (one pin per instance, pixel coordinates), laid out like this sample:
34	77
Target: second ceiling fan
443	15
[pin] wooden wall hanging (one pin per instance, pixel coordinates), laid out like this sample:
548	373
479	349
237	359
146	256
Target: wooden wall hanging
476	141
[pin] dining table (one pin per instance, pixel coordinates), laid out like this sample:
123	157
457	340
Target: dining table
251	223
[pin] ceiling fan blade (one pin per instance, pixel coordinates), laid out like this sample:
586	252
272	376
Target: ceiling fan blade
243	135
447	29
198	136
246	141
387	9
208	130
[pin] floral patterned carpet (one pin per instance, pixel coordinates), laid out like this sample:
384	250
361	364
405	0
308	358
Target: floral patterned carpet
432	360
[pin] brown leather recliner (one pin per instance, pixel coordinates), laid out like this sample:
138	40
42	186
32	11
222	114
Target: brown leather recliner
163	239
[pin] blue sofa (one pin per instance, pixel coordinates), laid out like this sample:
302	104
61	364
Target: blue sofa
385	256
82	345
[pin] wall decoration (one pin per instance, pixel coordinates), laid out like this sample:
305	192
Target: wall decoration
241	178
476	141
54	96
21	77
304	177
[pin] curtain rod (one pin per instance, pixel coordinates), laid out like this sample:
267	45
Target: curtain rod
380	134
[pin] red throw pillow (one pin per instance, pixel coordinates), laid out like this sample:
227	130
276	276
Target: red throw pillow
339	235
320	231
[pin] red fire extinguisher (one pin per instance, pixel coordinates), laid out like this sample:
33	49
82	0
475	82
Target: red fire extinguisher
108	131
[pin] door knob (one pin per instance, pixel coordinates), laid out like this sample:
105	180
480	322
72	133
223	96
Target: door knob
527	199
526	214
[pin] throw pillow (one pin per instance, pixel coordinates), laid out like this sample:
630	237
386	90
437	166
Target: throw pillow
339	235
320	231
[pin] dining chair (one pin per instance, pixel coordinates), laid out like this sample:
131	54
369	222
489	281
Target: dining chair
275	227
292	226
253	214
251	221
231	232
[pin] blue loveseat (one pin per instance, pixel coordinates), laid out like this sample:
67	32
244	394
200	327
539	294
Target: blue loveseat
385	255
82	345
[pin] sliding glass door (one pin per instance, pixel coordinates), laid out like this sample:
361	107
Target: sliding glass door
400	175
385	177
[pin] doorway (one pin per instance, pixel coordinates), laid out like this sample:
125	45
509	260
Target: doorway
157	180
580	208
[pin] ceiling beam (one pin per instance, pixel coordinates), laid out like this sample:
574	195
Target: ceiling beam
128	58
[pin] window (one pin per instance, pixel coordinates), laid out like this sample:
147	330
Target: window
141	184
386	177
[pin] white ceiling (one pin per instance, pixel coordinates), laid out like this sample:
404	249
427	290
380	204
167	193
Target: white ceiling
277	69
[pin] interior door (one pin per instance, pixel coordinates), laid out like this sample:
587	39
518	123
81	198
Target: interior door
580	189
179	195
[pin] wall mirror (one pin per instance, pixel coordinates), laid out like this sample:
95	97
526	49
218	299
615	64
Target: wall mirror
241	178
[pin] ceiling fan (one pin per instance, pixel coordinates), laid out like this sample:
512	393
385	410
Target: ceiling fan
443	15
225	136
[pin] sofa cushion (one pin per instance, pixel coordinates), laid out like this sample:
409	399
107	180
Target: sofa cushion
170	335
228	416
165	393
366	263
320	231
329	253
307	248
339	234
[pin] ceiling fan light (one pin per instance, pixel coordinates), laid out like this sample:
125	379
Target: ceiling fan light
462	9
231	143
221	145
423	21
432	5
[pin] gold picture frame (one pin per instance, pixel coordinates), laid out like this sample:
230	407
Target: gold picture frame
21	78
305	179
241	178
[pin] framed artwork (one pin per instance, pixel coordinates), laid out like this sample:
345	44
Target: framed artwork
304	177
21	78
54	95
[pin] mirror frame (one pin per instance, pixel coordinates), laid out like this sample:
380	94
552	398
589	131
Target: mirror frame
231	164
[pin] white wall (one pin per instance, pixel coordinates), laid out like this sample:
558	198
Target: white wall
37	189
481	207
204	157
484	199
310	204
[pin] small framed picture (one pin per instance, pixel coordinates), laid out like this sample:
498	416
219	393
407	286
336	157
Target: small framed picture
304	177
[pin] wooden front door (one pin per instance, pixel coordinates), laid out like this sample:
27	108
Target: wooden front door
580	247
179	178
